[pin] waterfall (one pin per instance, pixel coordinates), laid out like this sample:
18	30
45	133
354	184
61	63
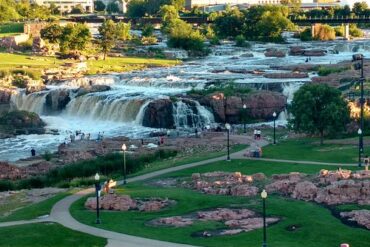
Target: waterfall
140	115
105	108
289	89
191	114
33	102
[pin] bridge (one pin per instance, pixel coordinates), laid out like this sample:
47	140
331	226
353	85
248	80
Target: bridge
346	20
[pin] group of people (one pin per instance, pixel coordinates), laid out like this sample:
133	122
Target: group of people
257	134
77	135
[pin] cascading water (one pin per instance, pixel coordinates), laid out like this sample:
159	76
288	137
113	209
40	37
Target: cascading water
34	102
289	89
191	114
105	108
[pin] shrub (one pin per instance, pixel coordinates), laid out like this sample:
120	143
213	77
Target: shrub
354	31
6	185
241	41
4	73
339	31
19	82
306	35
324	32
149	40
148	30
324	71
47	156
215	41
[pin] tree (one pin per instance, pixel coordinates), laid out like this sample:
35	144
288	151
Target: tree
112	8
230	23
123	31
78	9
319	109
136	8
108	36
169	15
360	8
52	33
7	11
99	6
324	32
74	37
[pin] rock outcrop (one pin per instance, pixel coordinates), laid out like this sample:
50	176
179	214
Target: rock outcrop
286	75
274	53
57	100
125	203
159	114
361	217
301	51
22	122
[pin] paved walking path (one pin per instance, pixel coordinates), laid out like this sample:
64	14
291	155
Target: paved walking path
60	211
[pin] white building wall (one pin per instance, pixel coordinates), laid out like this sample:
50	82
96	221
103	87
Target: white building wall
67	5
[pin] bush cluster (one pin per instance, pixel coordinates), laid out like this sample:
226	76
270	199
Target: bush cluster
81	173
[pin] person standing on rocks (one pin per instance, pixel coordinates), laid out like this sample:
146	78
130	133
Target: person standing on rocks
33	152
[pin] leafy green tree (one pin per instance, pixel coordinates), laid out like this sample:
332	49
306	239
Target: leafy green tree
99	6
319	109
74	37
7	11
52	33
112	8
272	25
123	31
78	9
360	8
169	15
324	32
54	9
230	23
108	36
136	8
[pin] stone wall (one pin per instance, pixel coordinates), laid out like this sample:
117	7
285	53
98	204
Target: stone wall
33	29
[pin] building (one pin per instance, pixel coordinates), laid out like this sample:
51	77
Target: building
67	5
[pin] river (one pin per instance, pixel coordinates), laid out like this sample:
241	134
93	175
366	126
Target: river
119	111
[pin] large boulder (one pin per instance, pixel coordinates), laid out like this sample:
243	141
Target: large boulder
57	100
22	122
274	53
305	191
5	96
159	114
286	75
91	89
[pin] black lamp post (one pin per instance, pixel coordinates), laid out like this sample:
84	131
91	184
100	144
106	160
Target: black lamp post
124	148
359	147
227	126
264	196
97	189
245	117
360	66
274	116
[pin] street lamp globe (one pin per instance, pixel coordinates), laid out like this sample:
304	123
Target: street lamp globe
227	126
274	114
264	194
97	177
359	131
244	106
124	147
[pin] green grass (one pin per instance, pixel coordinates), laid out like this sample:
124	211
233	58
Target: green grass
46	234
123	64
2	35
12	61
33	211
178	160
309	149
313	219
11	28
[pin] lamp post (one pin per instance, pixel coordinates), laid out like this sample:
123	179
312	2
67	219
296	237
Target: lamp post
359	146
274	116
97	189
360	66
124	162
245	116
227	126
264	196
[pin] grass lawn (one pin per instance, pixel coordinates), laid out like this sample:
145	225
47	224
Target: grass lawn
12	61
313	220
46	234
309	149
32	211
177	161
123	64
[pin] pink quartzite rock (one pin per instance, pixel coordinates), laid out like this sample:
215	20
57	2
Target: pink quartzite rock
305	191
362	217
244	190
